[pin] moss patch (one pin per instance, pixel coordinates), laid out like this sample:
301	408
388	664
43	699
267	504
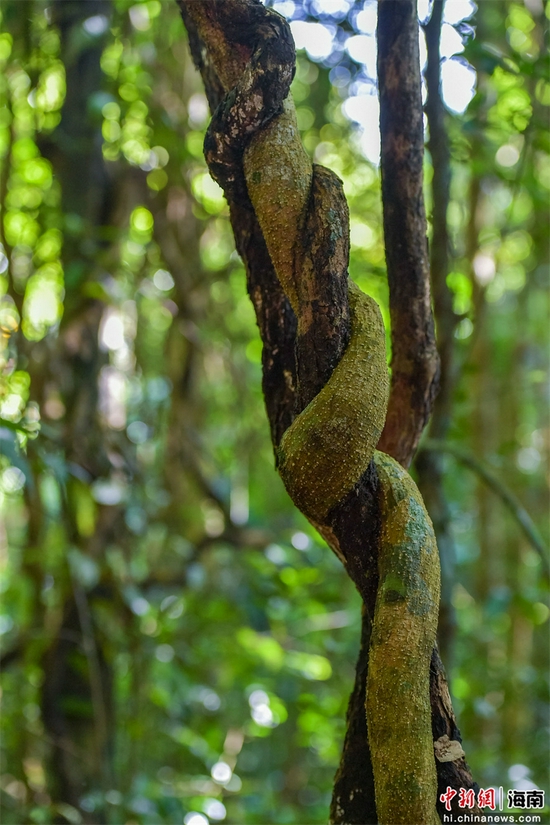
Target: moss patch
326	450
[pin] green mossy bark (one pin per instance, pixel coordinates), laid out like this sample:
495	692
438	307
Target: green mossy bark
403	636
326	450
324	453
278	176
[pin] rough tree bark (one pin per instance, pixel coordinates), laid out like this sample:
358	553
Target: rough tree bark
415	363
291	229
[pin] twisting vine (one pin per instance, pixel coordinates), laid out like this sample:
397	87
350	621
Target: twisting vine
254	151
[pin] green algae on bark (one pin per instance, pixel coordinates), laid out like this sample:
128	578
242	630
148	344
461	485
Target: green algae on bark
328	447
402	640
278	176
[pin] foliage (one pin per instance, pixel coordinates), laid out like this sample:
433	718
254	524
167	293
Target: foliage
213	634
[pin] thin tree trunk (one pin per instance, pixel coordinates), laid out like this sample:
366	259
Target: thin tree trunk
75	666
415	362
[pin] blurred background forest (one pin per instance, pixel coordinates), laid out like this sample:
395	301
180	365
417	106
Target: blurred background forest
178	643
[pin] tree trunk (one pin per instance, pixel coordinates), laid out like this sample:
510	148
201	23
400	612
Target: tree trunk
326	386
77	673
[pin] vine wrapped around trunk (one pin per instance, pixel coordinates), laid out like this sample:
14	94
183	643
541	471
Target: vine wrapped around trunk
291	226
